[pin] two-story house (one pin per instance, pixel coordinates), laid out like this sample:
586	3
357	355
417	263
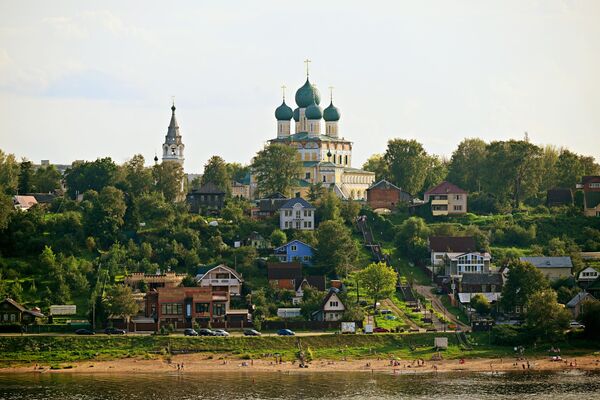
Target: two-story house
474	262
284	275
295	251
208	199
332	308
297	213
446	199
553	268
137	280
591	195
220	279
440	246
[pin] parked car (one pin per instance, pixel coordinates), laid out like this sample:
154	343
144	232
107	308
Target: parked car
251	332
190	332
83	331
576	325
285	332
385	311
380	330
220	332
114	331
205	332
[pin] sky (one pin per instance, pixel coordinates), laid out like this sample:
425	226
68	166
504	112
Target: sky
82	80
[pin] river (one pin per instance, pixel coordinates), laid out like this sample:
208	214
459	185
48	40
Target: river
303	385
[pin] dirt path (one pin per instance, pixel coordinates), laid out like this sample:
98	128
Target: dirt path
439	307
390	304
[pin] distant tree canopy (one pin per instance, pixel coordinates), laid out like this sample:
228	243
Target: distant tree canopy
276	168
90	175
217	173
523	281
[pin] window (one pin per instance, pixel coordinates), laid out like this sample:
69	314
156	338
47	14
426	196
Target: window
457	197
172	308
218	309
305	225
333	304
595	185
294	247
346	160
306	258
202	307
223	276
307	175
297	213
457	208
309	224
324	178
518	309
5	317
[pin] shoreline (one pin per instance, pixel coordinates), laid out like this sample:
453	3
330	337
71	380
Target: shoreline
195	363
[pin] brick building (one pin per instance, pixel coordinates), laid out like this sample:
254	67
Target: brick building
386	195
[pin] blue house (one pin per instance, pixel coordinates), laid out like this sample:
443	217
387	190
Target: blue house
295	251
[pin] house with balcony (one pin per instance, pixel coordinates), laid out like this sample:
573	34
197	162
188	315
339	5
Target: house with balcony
553	268
182	306
591	195
473	262
440	246
295	251
297	213
220	279
446	199
152	281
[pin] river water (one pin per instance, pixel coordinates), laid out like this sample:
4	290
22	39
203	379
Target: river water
306	385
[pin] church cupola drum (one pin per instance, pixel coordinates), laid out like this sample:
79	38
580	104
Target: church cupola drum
173	146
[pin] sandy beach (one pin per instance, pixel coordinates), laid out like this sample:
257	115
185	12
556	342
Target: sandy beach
201	363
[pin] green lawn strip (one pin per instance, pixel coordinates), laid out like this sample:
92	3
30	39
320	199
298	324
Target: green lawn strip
456	311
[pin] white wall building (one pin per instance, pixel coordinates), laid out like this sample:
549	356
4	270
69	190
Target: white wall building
297	213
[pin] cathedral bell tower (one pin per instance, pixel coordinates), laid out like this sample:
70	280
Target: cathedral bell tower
173	146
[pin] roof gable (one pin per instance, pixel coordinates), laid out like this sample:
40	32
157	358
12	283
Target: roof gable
296	242
225	268
578	298
445	188
452	244
384	185
296	200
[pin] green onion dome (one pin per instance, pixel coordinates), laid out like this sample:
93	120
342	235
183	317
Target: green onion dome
297	114
307	94
283	112
331	113
313	111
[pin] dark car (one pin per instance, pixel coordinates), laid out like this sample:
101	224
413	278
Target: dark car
380	330
114	331
285	332
190	332
83	331
205	332
251	332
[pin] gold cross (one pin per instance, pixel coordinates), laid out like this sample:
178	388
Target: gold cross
283	91
306	62
331	93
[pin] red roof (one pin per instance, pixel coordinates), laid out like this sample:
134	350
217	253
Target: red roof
445	188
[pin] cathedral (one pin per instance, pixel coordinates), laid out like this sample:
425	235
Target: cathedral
173	146
326	157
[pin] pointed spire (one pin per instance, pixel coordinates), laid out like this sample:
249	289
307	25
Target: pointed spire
307	61
283	87
331	94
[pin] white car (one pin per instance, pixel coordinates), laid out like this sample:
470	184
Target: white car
220	332
576	325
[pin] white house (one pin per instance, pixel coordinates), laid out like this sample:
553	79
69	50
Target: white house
297	213
440	246
221	278
458	264
587	276
332	308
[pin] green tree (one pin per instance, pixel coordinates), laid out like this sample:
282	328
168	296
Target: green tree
411	239
217	173
407	161
25	177
437	170
467	164
311	301
349	211
523	281
337	250
232	212
276	168
545	317
9	173
513	170
137	177
237	172
94	175
278	238
570	167
378	280
6	210
168	178
105	215
377	164
328	207
316	191
481	304
590	317
120	302
46	179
